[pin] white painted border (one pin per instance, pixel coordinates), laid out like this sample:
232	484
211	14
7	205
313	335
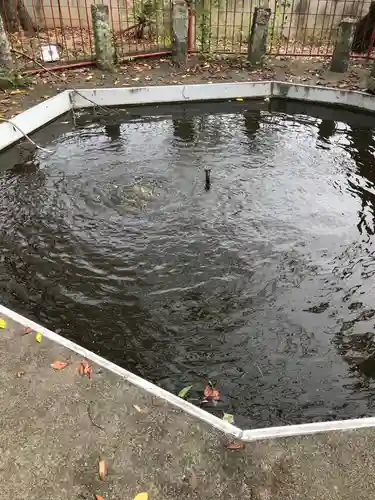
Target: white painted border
41	114
34	118
171	93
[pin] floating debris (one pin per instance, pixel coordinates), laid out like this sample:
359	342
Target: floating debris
184	391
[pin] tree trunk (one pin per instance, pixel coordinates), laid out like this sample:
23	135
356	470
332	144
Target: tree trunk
15	14
25	19
6	60
8	9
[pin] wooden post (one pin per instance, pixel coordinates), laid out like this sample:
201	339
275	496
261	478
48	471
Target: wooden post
103	37
258	36
344	40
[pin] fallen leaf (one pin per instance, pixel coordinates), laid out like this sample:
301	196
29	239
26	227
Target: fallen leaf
116	82
45	96
27	330
20	374
211	393
138	408
17	91
239	99
98	497
2	323
88	78
235	445
103	469
59	365
85	369
228	417
141	496
38	337
184	391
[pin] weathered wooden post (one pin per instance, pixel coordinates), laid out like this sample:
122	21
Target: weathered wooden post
6	60
103	37
258	36
344	40
179	32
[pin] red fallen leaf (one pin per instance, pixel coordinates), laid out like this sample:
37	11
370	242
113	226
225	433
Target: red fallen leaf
85	369
98	497
27	330
235	445
59	365
211	393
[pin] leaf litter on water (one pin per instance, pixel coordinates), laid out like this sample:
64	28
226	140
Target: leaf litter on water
184	391
228	417
210	392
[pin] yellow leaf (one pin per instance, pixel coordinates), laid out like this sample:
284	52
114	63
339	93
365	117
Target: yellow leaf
103	469
239	99
228	417
141	496
2	323
38	337
184	391
18	91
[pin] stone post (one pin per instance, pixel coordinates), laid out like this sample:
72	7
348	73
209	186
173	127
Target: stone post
258	35
344	40
6	60
179	32
371	79
103	37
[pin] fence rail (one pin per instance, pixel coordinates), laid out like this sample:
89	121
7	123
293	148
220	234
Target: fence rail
297	27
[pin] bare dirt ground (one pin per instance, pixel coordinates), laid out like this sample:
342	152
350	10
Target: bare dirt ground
307	70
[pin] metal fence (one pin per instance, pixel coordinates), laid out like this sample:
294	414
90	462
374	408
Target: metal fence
142	27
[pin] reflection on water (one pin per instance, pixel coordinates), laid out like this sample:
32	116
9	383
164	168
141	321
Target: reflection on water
264	283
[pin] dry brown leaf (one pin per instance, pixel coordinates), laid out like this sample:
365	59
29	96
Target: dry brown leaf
85	369
20	374
59	365
235	445
103	469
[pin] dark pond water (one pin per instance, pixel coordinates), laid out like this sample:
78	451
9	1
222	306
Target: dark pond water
264	284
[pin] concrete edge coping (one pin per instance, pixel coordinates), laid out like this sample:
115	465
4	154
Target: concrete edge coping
43	113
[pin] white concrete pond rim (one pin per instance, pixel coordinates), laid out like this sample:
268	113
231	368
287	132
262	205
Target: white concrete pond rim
51	109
